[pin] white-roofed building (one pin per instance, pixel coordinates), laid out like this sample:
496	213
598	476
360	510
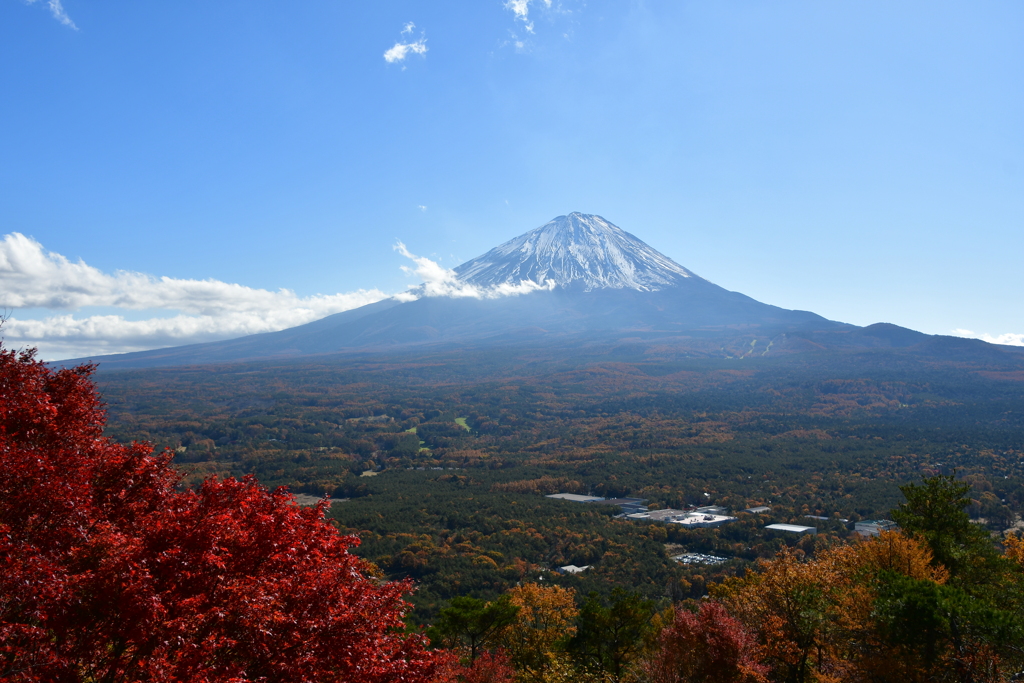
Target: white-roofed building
575	498
873	527
792	528
703	520
687	518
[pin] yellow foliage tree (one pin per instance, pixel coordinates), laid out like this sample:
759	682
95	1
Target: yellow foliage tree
894	551
1015	549
546	619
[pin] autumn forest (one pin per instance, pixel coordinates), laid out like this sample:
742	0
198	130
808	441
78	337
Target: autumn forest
440	463
436	467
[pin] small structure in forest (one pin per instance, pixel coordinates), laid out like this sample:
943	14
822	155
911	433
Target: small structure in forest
792	528
700	558
874	527
628	506
575	498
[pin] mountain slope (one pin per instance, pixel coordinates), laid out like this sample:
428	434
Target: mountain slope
601	286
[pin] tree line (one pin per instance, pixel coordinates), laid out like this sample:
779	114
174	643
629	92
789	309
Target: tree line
935	601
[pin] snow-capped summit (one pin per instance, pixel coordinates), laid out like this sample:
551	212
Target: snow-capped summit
580	250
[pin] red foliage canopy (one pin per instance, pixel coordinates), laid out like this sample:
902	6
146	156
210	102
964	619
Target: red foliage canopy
490	667
109	573
707	646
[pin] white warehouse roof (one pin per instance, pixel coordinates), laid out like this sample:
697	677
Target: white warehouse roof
575	498
792	528
703	520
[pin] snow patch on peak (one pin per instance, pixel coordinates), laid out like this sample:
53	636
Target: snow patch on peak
578	249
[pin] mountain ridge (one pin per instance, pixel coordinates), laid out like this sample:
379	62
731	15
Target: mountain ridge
589	283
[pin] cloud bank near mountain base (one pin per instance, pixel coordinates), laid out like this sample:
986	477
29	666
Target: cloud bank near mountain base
1009	338
441	281
203	310
173	311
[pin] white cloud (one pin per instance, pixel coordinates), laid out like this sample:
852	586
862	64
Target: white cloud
401	50
1009	338
521	10
205	310
57	10
66	336
437	280
31	277
422	207
441	281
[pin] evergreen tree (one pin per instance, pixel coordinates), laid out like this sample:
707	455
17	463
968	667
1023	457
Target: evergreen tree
610	636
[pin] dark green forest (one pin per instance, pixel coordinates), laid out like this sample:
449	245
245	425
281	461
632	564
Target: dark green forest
440	462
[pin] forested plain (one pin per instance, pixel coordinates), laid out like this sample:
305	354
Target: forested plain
439	462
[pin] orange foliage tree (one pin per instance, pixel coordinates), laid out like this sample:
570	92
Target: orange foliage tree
876	610
793	608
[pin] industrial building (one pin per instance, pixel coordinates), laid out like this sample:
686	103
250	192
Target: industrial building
792	528
575	498
873	527
634	508
628	506
700	517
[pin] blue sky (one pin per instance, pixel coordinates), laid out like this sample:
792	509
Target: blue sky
167	168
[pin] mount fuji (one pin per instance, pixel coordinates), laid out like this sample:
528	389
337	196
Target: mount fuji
575	251
577	281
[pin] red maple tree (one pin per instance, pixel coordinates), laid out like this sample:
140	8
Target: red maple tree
109	572
490	667
708	646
